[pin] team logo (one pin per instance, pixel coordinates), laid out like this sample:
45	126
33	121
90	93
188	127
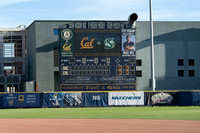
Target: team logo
10	102
87	44
66	34
67	47
21	98
161	98
109	43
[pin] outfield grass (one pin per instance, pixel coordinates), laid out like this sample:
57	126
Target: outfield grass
170	113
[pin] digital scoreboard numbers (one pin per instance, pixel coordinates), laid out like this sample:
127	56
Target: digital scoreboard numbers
97	60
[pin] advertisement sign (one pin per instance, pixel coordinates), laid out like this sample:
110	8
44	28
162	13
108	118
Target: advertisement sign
162	98
97	87
22	100
67	43
65	99
1	101
97	43
95	99
190	98
126	98
72	99
128	43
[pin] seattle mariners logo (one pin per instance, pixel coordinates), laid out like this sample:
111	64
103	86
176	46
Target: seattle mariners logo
66	34
109	43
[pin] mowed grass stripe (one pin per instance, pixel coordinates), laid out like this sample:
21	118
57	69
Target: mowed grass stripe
168	113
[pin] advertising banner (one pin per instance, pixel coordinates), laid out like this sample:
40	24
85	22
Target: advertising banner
1	101
45	100
128	43
66	42
190	98
98	87
65	99
95	99
72	99
126	98
162	98
15	100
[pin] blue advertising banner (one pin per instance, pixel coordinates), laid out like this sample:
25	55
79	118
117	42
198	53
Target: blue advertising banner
95	99
65	99
55	99
45	100
1	101
15	100
190	98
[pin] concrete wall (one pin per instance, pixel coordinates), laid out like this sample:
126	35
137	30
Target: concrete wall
173	41
31	52
43	46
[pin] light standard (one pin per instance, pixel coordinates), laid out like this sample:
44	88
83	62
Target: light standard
153	83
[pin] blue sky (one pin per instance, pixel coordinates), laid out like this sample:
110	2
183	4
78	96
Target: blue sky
24	12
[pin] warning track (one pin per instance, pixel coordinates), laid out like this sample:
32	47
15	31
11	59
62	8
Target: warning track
98	126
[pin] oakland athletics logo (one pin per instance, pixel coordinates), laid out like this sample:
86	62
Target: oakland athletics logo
66	34
109	43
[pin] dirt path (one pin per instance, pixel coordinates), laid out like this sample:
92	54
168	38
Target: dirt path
97	126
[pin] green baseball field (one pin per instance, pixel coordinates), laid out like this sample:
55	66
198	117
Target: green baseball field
165	113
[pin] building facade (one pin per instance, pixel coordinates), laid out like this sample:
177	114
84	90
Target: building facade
13	61
177	60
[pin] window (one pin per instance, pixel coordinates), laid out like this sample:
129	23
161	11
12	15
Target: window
8	50
191	62
138	62
180	73
180	62
191	73
139	73
8	70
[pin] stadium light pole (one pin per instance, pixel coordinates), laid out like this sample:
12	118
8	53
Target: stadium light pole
153	83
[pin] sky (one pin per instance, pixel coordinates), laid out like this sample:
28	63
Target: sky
24	12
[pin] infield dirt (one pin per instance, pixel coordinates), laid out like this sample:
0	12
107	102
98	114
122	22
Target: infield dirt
98	126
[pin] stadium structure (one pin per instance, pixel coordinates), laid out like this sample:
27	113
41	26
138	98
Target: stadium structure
40	57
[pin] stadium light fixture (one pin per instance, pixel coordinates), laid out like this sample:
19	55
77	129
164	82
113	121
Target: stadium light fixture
132	19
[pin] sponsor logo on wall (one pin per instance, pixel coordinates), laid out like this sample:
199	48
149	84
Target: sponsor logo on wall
72	99
162	98
67	42
126	98
95	99
21	99
65	99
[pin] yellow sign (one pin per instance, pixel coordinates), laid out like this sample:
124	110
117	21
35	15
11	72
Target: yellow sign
21	98
67	47
87	45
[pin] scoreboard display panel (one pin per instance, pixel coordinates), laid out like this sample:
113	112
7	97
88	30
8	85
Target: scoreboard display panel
97	59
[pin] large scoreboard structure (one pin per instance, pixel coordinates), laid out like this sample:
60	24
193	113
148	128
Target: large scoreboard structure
97	56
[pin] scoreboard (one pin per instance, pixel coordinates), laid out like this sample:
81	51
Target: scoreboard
97	59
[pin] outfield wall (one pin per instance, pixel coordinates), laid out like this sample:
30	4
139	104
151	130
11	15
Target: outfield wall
99	99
